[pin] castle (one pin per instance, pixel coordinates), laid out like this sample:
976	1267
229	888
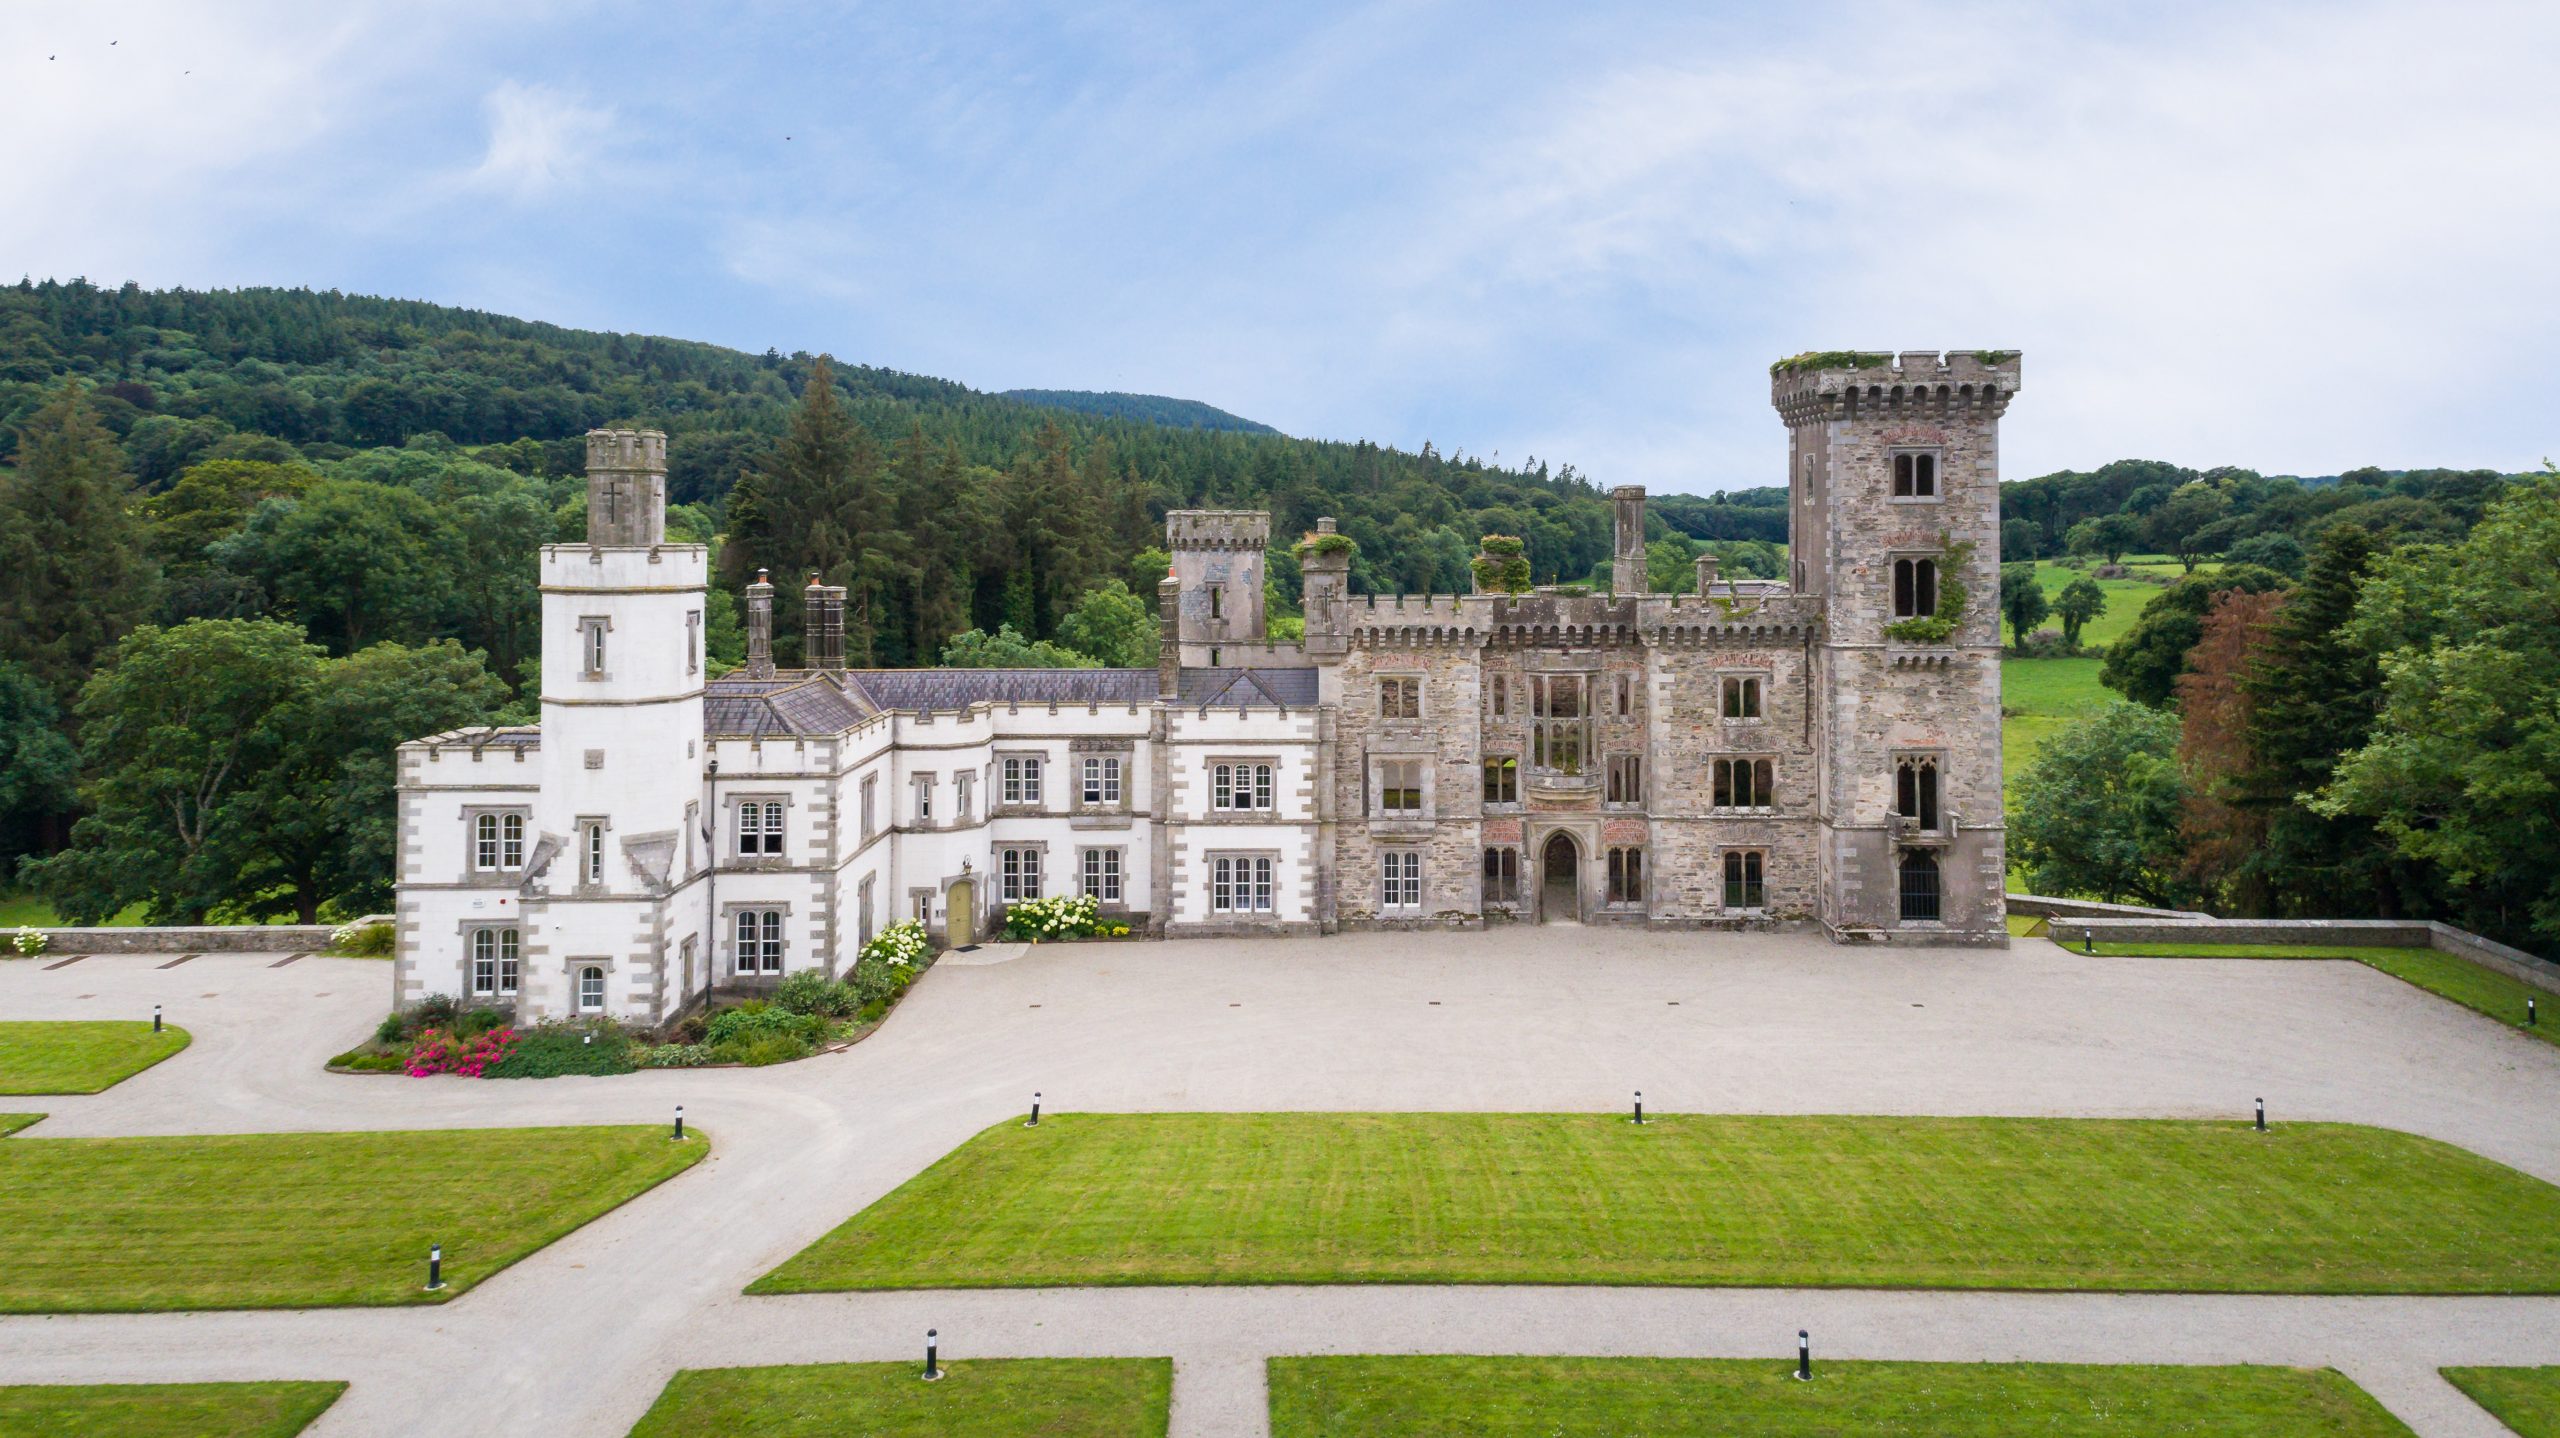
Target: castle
1823	750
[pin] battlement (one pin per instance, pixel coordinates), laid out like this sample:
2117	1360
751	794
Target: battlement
1847	384
1217	529
1545	617
644	450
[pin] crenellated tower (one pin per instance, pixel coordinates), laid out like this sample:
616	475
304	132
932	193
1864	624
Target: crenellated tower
1218	561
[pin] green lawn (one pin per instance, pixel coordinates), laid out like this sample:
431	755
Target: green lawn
164	1410
1455	1397
108	1225
2114	1205
976	1398
2525	1399
88	1056
2037	698
2482	990
26	910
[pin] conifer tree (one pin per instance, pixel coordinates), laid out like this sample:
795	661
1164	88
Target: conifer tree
76	573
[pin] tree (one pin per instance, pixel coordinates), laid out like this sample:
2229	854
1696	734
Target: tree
2180	527
351	562
2096	811
2223	838
1115	628
2080	601
75	569
2145	664
2022	601
1007	649
1501	565
38	764
805	506
2020	539
211	501
2107	536
2461	770
2277	551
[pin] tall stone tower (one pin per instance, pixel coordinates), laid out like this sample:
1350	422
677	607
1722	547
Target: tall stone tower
1218	558
622	768
1894	489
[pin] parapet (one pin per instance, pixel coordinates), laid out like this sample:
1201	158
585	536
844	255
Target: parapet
644	450
1848	384
1218	529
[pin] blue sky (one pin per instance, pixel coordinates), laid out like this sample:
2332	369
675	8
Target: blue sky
2295	237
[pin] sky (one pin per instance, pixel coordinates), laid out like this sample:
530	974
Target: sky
2295	237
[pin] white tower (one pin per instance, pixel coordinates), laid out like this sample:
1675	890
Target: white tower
613	914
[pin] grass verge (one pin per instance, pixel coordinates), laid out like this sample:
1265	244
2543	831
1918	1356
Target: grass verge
1446	1397
82	1056
164	1410
2450	976
2527	1400
120	1225
982	1398
1741	1201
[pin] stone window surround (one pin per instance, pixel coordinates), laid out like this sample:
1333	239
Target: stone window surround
1428	783
920	786
1937	473
1609	763
995	868
1767	688
1209	777
1039	778
920	905
1123	755
1893	788
1421	878
737	860
693	641
469	927
1720	851
591	643
1517	887
1512	805
1119	904
1209	870
1893	558
502	873
1770	759
867	809
1610	876
1421	702
572	968
724	941
603	824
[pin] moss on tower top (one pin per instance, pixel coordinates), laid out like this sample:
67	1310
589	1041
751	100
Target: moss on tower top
1829	359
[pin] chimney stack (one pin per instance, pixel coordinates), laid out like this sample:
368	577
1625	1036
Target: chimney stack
1706	575
1627	563
760	627
1168	637
822	641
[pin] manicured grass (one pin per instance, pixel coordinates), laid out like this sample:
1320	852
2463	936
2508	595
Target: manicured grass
85	1056
2038	697
2115	1205
1460	1397
26	910
164	1410
2525	1399
2482	990
12	1122
107	1225
2022	926
977	1398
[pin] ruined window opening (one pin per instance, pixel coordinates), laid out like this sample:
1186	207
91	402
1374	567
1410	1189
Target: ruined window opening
1915	588
1915	790
1744	871
1502	876
1560	711
1626	876
1400	788
1915	476
1744	784
1626	779
1741	696
1400	697
1501	779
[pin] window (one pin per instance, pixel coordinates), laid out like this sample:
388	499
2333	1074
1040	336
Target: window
590	989
1626	695
1022	779
1743	875
759	941
759	827
1915	588
1743	784
1626	876
1742	696
1239	786
1400	788
1101	780
1019	874
591	632
1502	779
1240	884
497	841
1915	476
1400	698
1626	779
1217	604
693	642
494	969
1400	880
924	801
1915	790
1502	876
1102	875
591	852
870	802
1919	886
1501	695
1560	722
924	908
960	783
863	934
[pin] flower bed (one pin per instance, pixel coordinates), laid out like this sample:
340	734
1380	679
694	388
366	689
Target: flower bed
1036	920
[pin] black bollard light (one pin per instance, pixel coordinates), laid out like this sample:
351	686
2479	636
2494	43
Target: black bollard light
679	1135
1035	1110
932	1352
435	1267
2262	1115
2088	941
155	1018
1639	1105
1804	1356
2531	1019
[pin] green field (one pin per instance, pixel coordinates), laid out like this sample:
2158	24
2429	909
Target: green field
2527	1400
1468	1397
88	1056
22	910
2482	990
978	1398
294	1220
2037	698
2112	1205
164	1410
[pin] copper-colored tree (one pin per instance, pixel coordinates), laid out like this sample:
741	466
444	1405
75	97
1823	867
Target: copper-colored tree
2213	747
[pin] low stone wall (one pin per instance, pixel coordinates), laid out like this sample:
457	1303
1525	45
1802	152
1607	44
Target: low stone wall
2344	933
190	939
2038	906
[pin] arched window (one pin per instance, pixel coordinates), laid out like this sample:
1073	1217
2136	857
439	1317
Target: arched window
590	990
1915	588
1919	886
1915	790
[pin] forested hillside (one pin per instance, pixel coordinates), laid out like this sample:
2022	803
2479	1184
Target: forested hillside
1148	408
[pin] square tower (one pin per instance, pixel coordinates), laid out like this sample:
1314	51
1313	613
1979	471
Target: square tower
1894	522
1218	558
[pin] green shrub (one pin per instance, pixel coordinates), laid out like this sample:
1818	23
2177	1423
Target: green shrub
1059	917
749	1022
435	1011
370	1061
391	1030
874	1011
554	1049
755	1051
812	992
676	1056
471	1023
363	941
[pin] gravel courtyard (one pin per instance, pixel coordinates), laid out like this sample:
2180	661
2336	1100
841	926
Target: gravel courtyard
578	1338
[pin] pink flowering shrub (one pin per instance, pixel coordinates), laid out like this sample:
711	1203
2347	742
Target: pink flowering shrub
440	1052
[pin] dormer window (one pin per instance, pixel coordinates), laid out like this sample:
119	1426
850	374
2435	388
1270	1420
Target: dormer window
1915	475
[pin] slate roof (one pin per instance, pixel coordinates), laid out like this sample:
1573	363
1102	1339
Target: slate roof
944	690
791	706
521	736
1229	687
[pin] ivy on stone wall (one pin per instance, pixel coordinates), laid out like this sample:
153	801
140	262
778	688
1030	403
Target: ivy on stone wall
1502	565
1939	626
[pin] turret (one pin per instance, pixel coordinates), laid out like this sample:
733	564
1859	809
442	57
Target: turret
1324	569
626	488
1217	557
1627	555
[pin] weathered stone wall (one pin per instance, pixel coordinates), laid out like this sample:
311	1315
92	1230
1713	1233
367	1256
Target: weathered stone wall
2070	932
187	939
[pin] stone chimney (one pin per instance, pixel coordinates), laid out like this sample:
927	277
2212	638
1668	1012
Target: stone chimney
626	488
1626	565
822	639
1325	575
1706	575
760	627
1168	636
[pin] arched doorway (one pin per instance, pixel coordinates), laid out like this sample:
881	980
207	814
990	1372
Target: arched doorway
960	914
1560	881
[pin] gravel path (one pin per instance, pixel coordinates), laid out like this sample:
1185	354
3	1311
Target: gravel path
578	1338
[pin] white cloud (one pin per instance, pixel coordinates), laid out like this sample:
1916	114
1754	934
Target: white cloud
540	140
